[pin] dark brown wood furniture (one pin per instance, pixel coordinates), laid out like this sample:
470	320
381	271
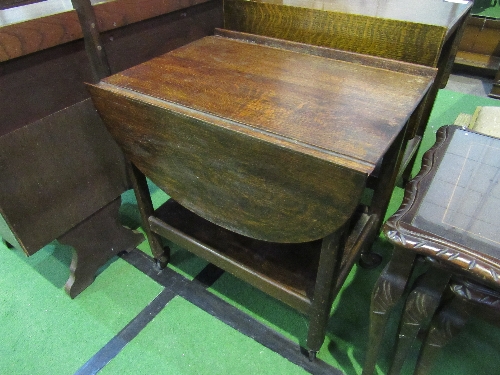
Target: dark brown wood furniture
478	51
423	32
61	172
266	147
449	217
62	177
70	188
462	298
55	23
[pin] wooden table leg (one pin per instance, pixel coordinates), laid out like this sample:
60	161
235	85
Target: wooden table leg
7	244
387	292
445	325
386	180
95	241
421	304
140	185
329	263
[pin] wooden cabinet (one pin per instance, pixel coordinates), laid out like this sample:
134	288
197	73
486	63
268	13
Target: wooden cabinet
61	172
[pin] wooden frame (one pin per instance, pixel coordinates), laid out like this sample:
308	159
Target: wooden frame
479	48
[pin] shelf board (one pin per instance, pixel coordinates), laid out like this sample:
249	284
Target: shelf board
284	271
487	63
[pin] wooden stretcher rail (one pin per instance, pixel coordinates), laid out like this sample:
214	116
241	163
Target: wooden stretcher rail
285	271
31	35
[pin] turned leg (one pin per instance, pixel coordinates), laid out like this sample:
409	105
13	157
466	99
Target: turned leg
140	185
420	306
445	325
388	290
95	241
323	292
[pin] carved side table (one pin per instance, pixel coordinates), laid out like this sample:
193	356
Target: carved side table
449	216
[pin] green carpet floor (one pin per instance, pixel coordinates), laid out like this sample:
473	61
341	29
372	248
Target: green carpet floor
43	331
486	8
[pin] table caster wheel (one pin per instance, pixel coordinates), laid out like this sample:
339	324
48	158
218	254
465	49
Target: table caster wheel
370	260
163	260
7	244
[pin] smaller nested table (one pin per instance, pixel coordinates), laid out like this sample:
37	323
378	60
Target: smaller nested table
449	215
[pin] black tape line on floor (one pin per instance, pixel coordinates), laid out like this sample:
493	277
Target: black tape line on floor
131	330
196	293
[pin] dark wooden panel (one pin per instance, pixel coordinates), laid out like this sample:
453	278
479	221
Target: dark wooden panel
56	172
134	44
23	38
37	85
57	23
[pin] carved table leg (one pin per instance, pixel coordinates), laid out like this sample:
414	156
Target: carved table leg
446	324
388	290
139	182
95	241
323	292
420	306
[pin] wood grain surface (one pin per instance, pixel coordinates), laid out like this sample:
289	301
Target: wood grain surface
32	35
402	40
267	142
252	187
305	100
